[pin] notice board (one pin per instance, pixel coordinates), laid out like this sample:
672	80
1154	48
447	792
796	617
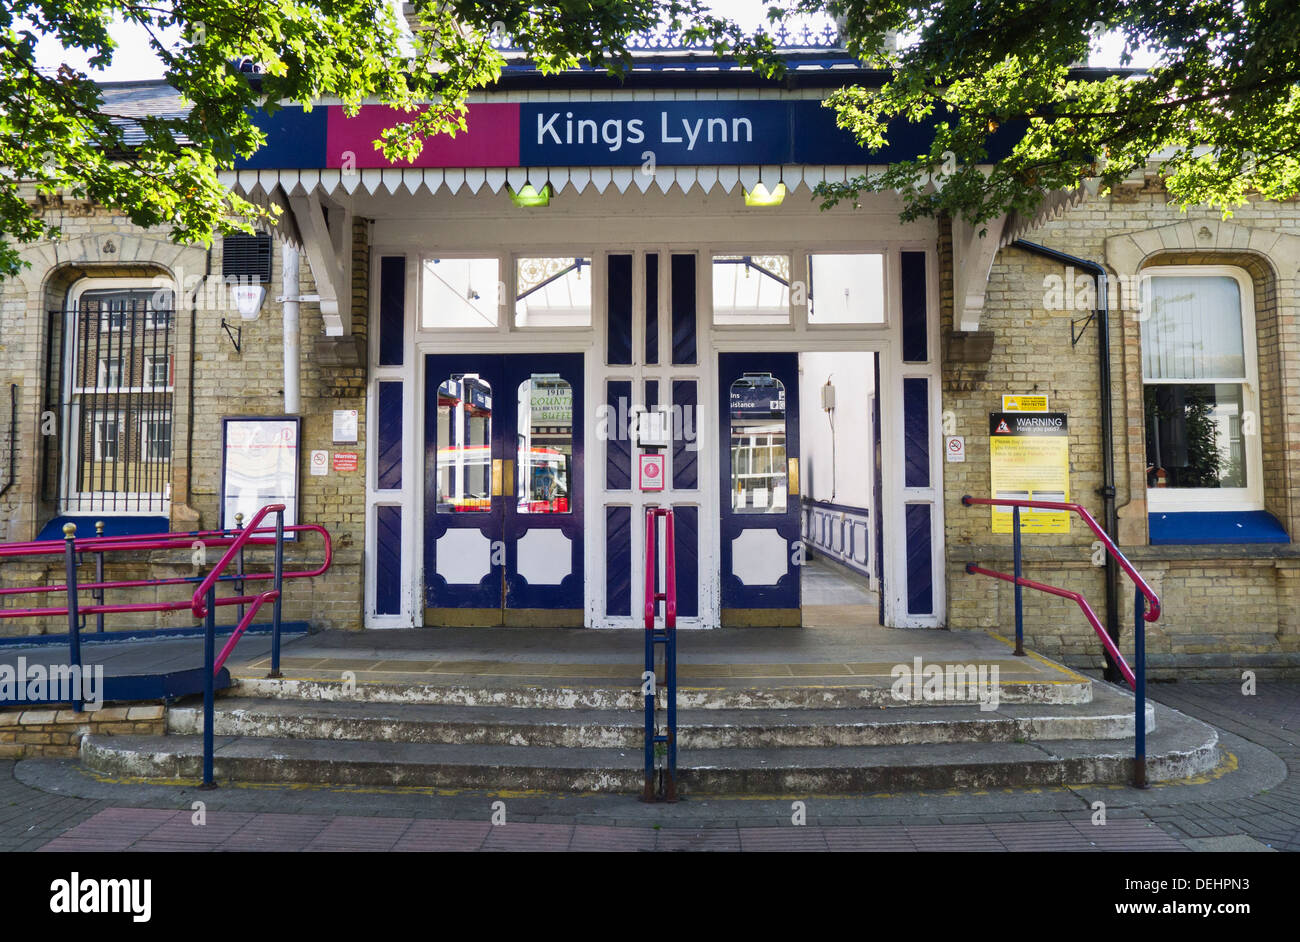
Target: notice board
259	466
1029	455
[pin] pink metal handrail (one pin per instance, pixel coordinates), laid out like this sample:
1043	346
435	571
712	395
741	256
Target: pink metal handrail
1088	613
1153	601
1146	608
196	602
669	595
256	603
155	541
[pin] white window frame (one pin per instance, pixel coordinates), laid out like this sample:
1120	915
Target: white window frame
104	374
709	260
147	375
885	285
146	441
102	421
1191	499
594	259
421	274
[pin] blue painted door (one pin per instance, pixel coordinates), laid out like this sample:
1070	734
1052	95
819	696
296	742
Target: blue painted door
543	513
464	557
759	488
503	489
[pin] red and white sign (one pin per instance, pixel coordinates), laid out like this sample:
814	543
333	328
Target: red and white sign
345	461
320	463
651	469
955	446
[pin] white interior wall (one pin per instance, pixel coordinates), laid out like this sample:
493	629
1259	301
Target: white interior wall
853	376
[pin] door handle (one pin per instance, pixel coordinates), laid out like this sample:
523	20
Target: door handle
508	482
792	477
496	477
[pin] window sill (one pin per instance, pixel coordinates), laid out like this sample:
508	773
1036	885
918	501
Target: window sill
1185	528
113	525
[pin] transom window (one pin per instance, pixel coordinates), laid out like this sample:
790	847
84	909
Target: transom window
846	289
1200	389
460	292
751	289
553	292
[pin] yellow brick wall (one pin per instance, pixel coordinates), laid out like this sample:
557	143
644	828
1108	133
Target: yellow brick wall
1223	605
98	243
26	732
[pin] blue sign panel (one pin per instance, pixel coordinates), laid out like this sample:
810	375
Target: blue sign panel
676	132
735	132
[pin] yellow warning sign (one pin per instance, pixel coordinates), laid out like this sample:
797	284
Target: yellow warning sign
1024	403
1029	454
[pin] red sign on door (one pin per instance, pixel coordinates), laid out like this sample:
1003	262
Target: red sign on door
652	472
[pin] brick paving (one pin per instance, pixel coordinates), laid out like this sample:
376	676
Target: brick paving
146	829
1188	816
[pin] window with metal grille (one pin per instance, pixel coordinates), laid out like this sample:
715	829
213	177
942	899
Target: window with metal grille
114	379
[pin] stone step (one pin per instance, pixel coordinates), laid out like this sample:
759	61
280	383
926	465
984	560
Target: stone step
1181	747
601	694
1109	716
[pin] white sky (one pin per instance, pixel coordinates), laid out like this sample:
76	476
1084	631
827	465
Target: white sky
134	59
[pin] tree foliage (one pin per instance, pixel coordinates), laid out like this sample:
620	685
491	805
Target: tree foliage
1219	106
57	135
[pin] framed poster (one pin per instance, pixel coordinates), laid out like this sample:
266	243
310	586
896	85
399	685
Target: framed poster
259	466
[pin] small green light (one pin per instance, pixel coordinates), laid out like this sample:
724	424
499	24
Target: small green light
529	195
761	196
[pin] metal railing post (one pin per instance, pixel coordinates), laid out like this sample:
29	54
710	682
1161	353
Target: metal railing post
1140	694
279	592
209	685
670	652
649	681
239	568
1020	593
74	629
99	577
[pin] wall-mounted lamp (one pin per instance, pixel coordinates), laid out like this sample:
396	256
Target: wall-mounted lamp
760	195
529	195
248	301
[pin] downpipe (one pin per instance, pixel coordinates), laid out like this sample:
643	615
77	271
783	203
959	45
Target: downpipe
1110	512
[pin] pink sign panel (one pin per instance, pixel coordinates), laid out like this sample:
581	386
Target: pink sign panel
492	138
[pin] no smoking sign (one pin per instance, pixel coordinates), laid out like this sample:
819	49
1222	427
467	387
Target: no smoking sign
954	447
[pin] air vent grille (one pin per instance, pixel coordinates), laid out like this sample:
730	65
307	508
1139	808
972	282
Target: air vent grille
247	256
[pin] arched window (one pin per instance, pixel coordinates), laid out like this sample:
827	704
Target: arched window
117	379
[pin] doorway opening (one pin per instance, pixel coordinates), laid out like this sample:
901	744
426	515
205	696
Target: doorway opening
839	494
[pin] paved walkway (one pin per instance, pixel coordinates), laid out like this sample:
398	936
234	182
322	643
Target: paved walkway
1250	803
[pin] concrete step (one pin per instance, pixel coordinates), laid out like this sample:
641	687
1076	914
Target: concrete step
602	694
1181	747
1109	716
